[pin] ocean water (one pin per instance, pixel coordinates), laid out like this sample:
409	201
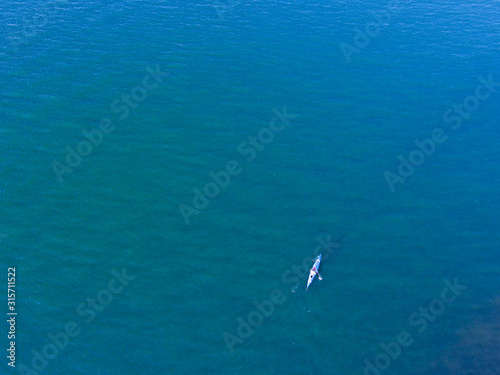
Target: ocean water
339	94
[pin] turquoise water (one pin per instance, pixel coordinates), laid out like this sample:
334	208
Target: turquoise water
230	68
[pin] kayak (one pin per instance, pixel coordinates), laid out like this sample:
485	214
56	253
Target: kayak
314	271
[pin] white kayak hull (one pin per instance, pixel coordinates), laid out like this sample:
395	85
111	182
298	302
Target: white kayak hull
314	271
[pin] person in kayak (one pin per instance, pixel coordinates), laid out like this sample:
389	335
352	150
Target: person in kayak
314	271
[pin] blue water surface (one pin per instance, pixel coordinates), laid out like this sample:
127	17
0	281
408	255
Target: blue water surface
341	95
